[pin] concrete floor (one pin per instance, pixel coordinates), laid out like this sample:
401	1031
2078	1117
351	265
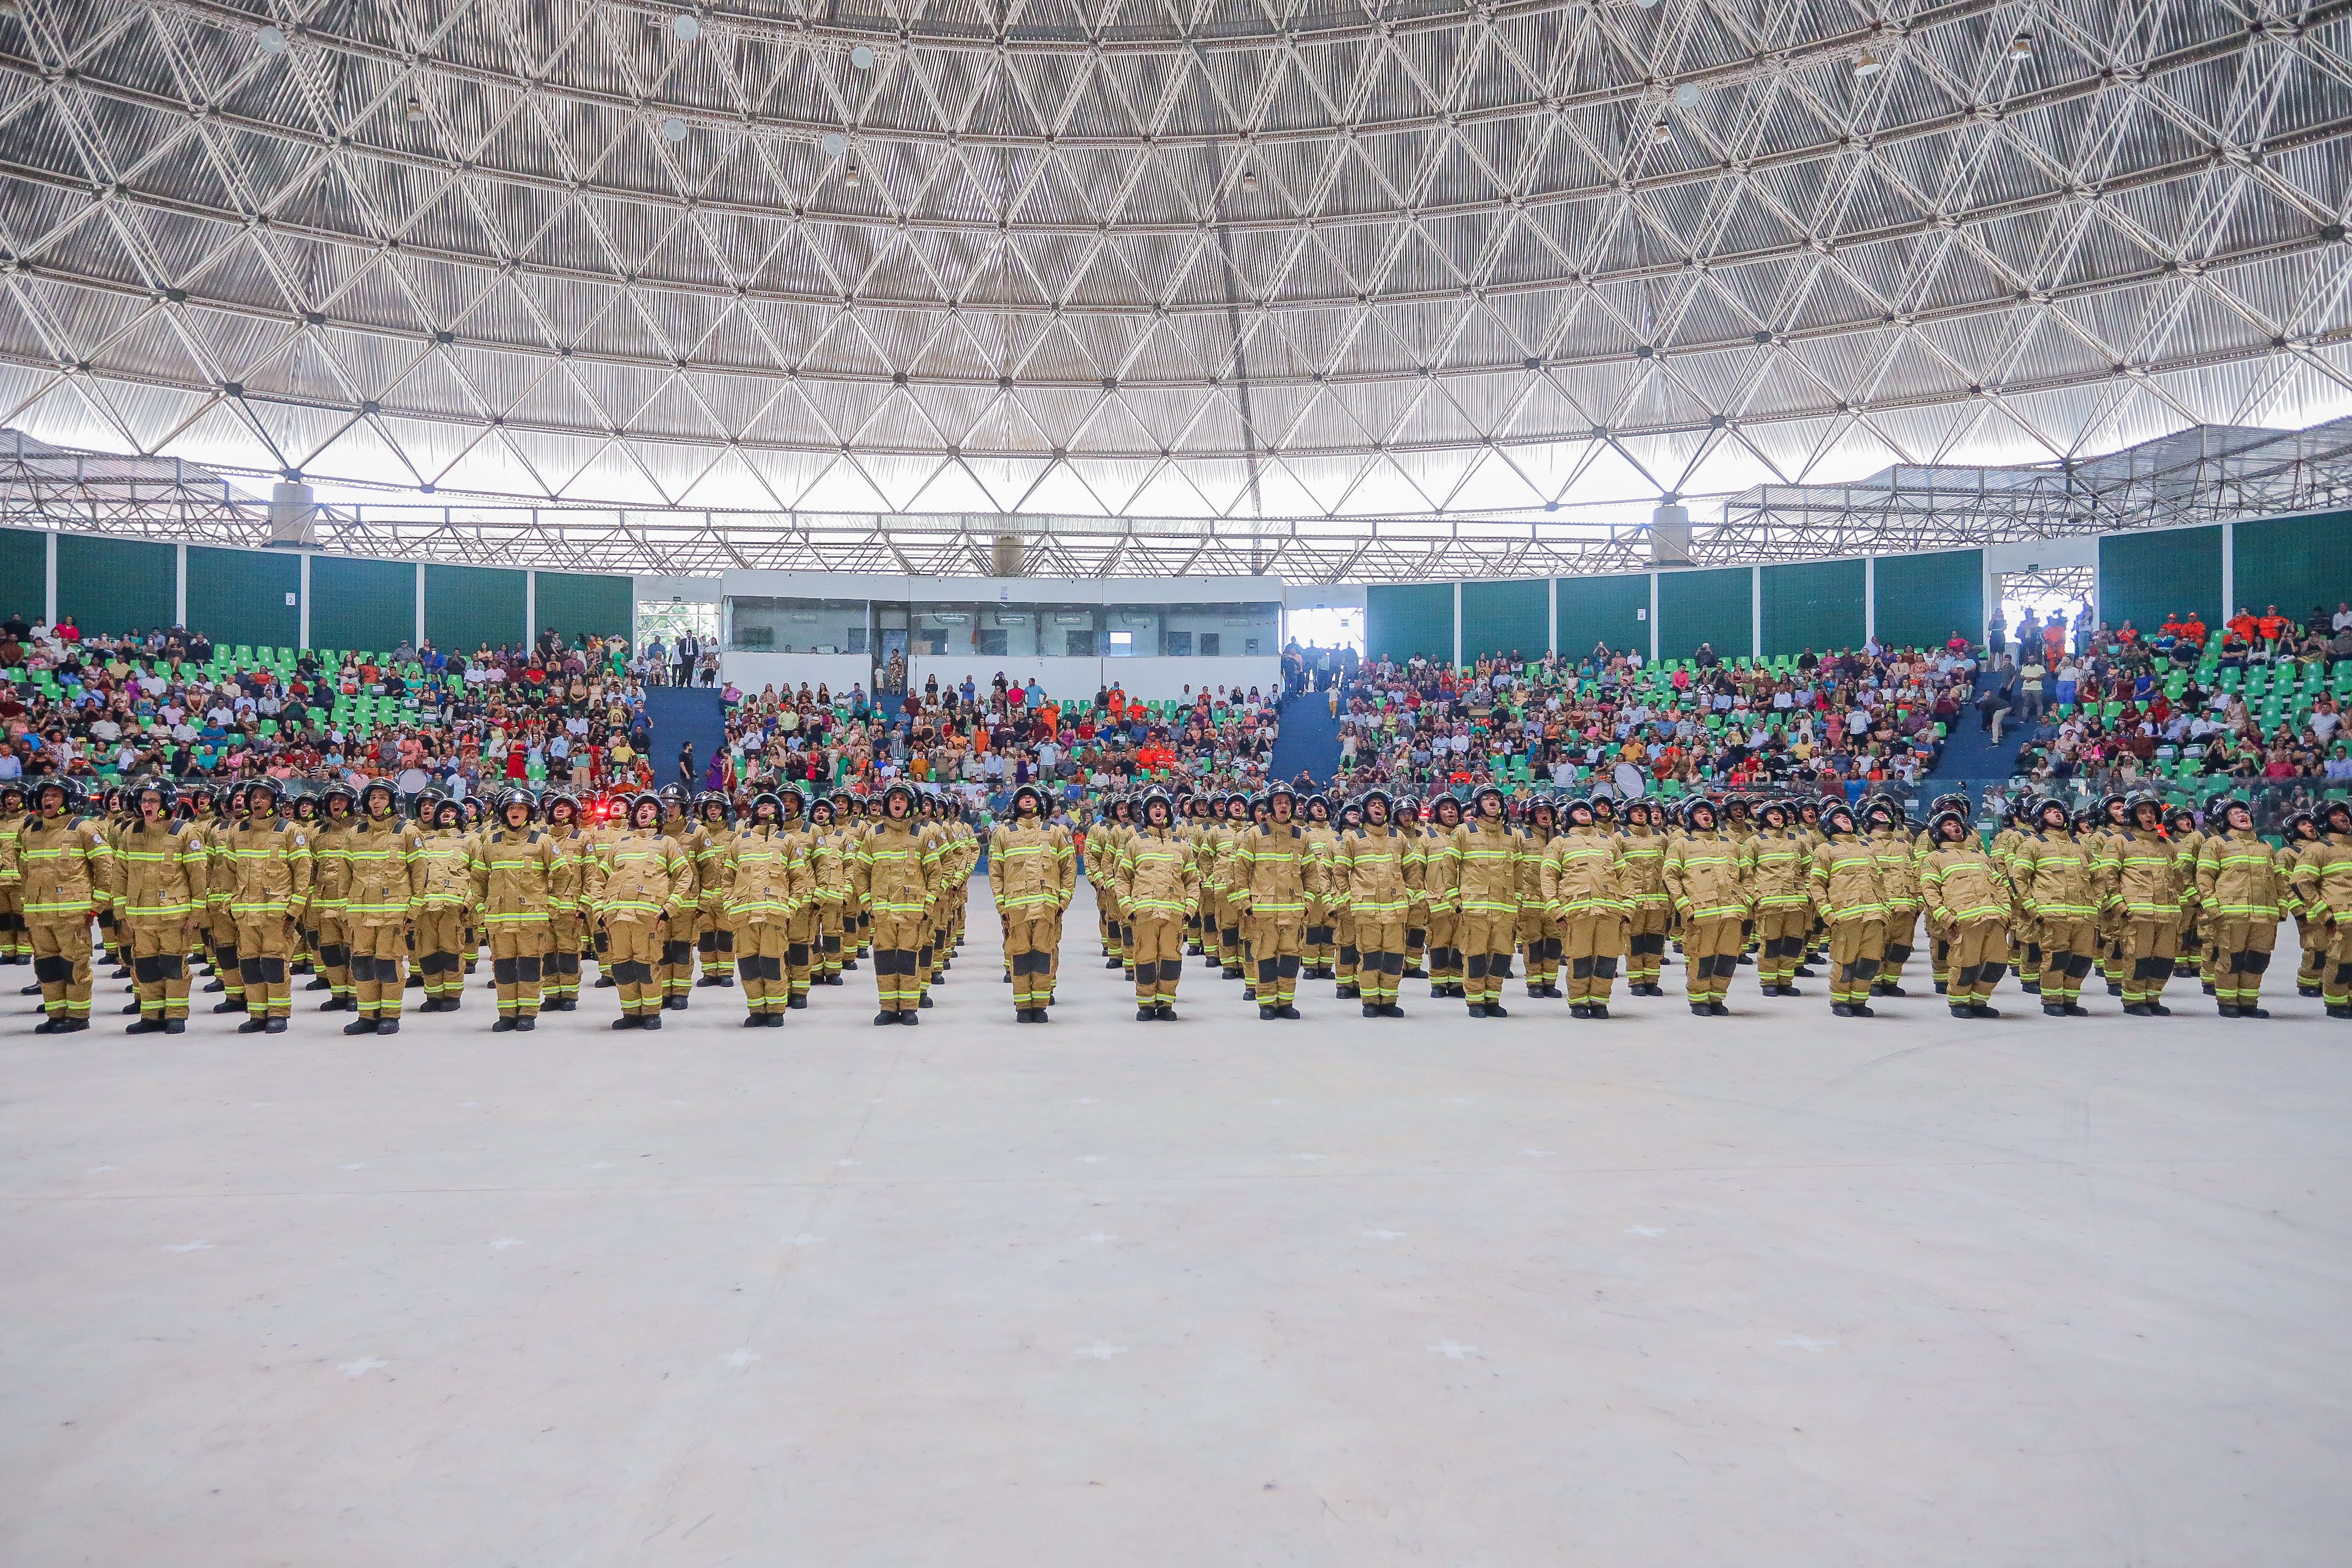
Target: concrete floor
1773	1290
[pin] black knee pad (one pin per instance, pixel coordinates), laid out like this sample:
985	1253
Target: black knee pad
1350	957
273	971
527	971
146	971
707	942
796	954
503	971
832	946
1172	970
1414	936
1604	969
677	954
1581	969
1266	971
224	958
364	967
1475	967
249	972
2033	953
335	956
1288	966
726	940
2145	968
2344	974
2253	963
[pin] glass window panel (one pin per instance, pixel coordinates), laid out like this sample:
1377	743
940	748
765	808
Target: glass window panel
796	625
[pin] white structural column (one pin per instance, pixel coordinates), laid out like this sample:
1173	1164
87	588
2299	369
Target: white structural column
1870	597
1551	613
530	608
178	585
2229	571
302	599
420	604
1457	625
1654	617
49	583
1754	611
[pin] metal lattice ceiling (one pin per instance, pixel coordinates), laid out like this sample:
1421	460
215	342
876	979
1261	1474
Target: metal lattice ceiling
1218	259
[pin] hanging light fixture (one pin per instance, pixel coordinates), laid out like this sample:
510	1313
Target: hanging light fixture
1661	133
850	174
415	110
1249	182
2020	48
1866	63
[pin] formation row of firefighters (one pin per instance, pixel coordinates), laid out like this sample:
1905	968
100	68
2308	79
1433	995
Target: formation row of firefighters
372	901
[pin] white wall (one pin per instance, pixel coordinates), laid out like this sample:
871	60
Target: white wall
1152	680
839	671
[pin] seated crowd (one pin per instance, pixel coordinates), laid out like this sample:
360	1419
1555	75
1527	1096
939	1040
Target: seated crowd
1856	717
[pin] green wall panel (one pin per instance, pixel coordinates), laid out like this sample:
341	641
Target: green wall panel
24	574
114	585
239	596
1924	599
1814	604
1506	617
577	606
364	604
2297	563
2145	577
1611	610
1404	619
1711	607
467	607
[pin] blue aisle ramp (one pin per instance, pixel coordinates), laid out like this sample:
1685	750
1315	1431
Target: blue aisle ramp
1969	751
1310	738
680	714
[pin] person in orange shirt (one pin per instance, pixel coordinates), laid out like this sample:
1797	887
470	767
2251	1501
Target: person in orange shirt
2273	625
2244	624
2194	628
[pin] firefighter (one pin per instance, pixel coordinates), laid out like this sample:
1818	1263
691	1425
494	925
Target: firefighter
1159	887
159	870
1373	873
1103	845
1033	874
566	934
2300	834
476	817
2240	889
61	865
2323	884
2181	829
227	809
337	815
829	886
15	942
765	881
443	904
1709	877
1198	934
1968	902
892	879
1846	879
1316	948
1272	883
1889	835
799	919
1784	898
518	872
1440	818
273	862
1921	848
676	969
1217	883
639	879
1650	906
1585	891
383	872
2052	869
2104	835
2139	886
1347	955
1538	932
712	938
2025	932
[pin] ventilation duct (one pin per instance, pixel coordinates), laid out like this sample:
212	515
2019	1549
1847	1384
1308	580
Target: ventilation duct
1669	535
293	517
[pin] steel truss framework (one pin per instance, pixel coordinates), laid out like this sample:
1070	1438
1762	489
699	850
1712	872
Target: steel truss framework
1222	259
2208	474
